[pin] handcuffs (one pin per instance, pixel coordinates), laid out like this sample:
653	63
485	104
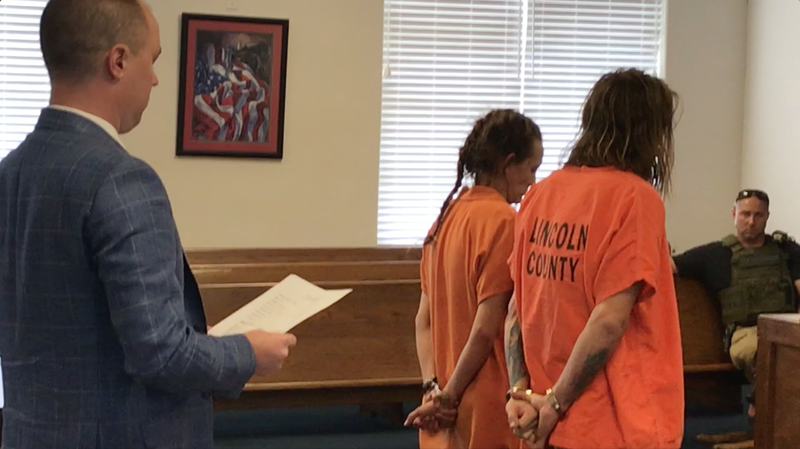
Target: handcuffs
432	384
549	395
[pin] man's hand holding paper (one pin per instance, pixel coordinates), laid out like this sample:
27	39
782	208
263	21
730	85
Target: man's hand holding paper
270	350
279	309
266	319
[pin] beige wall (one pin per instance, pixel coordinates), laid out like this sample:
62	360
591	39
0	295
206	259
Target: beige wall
772	119
705	64
324	192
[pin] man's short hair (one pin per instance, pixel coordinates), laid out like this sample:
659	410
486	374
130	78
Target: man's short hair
749	193
76	34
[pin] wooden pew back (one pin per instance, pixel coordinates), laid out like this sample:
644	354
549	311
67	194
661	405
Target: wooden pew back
711	380
360	350
701	327
366	338
363	348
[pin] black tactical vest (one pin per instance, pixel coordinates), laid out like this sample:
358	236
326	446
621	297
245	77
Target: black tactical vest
760	283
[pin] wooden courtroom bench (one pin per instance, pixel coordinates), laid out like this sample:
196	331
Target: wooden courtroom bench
362	349
711	380
359	351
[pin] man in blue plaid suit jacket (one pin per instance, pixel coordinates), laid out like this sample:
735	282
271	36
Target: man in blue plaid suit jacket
102	331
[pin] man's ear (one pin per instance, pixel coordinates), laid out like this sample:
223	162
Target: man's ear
117	61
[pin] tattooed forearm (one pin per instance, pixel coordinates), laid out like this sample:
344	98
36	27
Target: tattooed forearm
586	373
516	369
595	345
515	361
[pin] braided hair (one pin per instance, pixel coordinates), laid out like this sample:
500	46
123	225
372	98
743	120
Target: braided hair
493	137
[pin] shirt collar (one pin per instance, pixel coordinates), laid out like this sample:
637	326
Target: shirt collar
480	192
107	127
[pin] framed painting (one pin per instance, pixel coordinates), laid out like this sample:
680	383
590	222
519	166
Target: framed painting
232	86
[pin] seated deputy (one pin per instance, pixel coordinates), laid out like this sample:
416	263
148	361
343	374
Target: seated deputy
750	273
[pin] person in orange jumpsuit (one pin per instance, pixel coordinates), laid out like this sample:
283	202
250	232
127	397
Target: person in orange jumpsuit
594	344
466	287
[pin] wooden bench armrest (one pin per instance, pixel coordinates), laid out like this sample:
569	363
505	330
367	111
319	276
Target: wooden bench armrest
410	381
710	368
359	383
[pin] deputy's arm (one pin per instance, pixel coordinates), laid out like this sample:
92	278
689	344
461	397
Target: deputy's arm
794	265
693	263
797	287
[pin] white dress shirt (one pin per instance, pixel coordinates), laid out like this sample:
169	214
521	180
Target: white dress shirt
107	127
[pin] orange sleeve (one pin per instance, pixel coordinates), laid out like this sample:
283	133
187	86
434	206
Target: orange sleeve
516	259
423	270
634	248
495	247
423	263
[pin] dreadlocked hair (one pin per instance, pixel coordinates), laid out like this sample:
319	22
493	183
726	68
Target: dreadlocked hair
627	123
493	137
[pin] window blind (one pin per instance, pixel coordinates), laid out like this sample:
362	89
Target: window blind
24	84
574	43
447	62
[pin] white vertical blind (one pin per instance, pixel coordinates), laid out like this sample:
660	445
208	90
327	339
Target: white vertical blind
24	84
447	62
574	43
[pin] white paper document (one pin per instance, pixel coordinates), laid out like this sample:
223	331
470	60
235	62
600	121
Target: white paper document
280	308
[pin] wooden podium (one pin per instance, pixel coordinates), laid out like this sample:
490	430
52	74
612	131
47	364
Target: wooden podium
778	382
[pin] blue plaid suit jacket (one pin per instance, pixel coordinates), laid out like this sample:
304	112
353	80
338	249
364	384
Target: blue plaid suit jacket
102	332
